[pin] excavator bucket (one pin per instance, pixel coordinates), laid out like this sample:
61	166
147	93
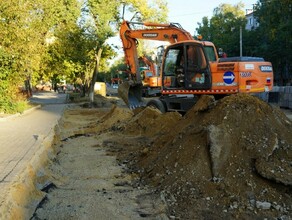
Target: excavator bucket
131	94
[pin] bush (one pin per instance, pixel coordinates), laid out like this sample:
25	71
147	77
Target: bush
11	106
21	106
11	101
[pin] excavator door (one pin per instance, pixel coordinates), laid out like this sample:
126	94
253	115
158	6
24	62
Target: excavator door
186	67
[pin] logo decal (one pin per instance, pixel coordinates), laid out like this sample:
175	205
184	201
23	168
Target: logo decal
150	35
266	68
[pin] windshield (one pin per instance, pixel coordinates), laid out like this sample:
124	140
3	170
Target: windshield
195	57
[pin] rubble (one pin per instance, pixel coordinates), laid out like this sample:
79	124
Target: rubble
209	162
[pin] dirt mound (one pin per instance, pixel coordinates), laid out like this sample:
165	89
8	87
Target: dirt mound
150	122
224	159
114	116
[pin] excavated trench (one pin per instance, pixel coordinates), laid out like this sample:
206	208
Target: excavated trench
88	181
226	159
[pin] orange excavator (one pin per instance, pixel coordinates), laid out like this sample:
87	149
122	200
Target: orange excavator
150	79
190	68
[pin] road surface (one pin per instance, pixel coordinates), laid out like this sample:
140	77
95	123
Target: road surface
22	135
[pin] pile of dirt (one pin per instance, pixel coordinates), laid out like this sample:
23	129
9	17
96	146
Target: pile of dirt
224	159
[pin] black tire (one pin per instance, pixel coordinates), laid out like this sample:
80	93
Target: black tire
156	103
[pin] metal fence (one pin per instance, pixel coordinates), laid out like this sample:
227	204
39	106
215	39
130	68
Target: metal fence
280	95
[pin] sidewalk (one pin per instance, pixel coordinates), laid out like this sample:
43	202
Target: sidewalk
21	136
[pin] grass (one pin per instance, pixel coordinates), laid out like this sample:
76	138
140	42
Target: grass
15	107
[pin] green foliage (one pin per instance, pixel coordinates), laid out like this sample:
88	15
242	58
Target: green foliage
224	27
275	36
53	40
154	11
26	26
105	22
118	69
271	40
8	83
9	106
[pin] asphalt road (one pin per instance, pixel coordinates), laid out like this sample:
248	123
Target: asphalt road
22	135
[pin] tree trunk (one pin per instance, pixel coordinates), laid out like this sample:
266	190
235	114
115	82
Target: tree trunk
94	76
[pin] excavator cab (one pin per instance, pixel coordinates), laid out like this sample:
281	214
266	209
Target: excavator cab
186	66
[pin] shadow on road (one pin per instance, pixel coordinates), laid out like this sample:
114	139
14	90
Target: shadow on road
45	98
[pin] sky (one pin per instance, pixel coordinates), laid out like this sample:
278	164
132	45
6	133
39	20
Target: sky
188	13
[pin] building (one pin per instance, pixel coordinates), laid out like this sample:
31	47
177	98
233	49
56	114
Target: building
251	20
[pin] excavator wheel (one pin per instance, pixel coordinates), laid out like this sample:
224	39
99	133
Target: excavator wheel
157	103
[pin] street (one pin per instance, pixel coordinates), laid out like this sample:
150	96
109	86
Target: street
22	136
96	162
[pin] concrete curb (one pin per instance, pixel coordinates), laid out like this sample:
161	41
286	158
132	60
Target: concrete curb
24	194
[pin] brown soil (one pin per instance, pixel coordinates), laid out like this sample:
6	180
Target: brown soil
223	159
226	159
83	180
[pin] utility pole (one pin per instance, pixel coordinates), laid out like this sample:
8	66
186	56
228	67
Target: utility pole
240	41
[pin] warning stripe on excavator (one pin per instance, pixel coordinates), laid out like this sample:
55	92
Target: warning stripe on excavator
212	91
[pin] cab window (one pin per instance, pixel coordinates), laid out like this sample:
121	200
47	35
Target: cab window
210	53
170	62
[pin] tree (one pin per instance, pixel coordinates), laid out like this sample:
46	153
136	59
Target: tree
52	39
25	28
272	40
223	29
105	16
119	69
275	36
